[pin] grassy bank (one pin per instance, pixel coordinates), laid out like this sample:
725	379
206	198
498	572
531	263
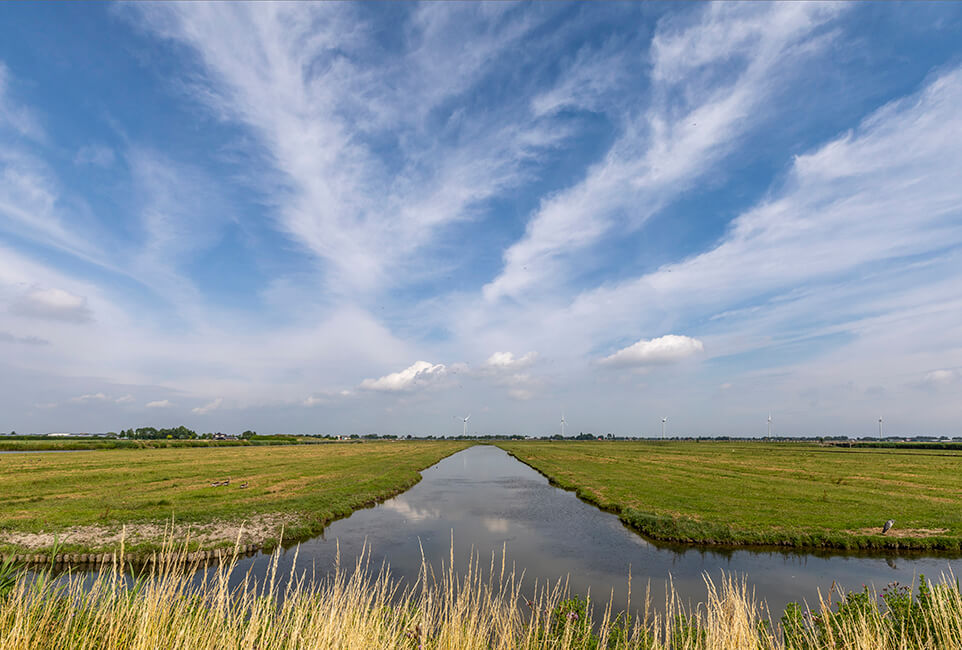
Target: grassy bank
486	607
84	499
783	494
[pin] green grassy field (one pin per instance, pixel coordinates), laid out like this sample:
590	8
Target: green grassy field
86	497
77	444
787	494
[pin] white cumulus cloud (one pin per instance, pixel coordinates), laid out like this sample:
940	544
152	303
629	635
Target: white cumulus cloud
506	370
158	404
418	374
506	360
664	349
940	378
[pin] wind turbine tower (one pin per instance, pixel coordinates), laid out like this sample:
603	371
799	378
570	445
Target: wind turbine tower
663	422
464	427
562	424
880	429
769	424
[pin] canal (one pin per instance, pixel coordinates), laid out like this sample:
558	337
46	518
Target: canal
485	500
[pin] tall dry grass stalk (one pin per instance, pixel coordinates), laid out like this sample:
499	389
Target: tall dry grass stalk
486	607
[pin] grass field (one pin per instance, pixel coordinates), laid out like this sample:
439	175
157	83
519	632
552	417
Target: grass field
789	494
86	497
78	444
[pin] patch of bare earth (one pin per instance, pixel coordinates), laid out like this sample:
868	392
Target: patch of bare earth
902	532
254	530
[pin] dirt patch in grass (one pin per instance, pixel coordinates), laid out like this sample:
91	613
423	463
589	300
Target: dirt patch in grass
254	530
902	532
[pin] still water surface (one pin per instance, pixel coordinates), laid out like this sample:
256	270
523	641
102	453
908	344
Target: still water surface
487	500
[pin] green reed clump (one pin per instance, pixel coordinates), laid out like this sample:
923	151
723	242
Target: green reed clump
931	617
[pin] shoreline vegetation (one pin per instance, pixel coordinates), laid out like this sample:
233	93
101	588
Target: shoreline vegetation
488	606
84	503
740	494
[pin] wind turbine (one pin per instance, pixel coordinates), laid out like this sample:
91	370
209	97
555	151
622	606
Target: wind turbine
880	429
464	427
769	424
663	421
562	424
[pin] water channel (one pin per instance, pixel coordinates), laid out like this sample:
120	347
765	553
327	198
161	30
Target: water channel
488	500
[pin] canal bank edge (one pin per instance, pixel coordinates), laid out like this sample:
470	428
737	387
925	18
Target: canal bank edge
688	530
151	552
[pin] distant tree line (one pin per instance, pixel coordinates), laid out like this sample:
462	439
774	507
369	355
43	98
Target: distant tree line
178	433
183	433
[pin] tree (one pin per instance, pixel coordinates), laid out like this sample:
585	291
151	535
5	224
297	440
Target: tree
247	435
150	433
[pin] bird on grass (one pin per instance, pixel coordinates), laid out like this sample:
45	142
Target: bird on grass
243	485
888	526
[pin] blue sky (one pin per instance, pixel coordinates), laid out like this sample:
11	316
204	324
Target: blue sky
378	217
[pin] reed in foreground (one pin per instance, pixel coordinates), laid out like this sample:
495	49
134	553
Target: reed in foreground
483	607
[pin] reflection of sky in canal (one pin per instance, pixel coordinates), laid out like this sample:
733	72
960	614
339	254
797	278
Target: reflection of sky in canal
485	500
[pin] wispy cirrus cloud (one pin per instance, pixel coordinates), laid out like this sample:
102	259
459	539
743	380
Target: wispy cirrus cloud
15	115
308	206
98	155
210	406
305	85
857	248
90	397
702	106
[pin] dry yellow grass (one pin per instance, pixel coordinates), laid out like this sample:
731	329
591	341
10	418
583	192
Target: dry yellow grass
486	607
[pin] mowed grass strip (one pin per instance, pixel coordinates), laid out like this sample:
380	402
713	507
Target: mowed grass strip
301	487
786	494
